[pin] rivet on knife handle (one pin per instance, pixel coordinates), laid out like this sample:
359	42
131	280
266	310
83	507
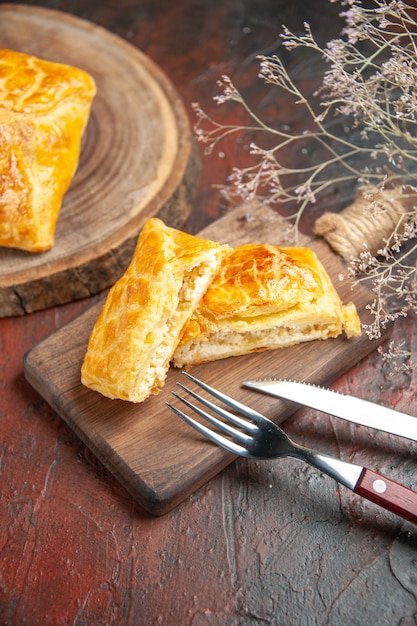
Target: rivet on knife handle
387	493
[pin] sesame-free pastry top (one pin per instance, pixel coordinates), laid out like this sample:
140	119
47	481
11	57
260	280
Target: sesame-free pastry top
44	109
264	297
186	300
137	331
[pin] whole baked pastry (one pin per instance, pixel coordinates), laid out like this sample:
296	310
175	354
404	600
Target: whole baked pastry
137	331
264	297
44	108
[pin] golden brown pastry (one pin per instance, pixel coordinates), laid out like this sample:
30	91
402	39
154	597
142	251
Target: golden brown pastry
133	340
44	108
264	297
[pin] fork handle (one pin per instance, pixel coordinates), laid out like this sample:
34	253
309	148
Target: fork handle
388	494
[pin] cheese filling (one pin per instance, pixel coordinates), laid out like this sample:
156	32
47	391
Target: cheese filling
193	287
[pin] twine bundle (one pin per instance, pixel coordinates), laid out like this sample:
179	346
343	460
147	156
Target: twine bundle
368	222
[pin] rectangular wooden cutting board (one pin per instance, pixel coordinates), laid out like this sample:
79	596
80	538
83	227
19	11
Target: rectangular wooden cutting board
159	459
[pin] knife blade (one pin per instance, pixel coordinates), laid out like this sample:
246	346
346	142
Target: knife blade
347	407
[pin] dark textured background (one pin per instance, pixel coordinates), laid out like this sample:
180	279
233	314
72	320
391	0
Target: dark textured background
262	543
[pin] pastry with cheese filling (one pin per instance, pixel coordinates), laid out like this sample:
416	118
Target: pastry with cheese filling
137	331
264	297
44	108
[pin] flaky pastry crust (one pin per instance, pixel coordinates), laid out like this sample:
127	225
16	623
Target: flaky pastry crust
44	108
138	329
264	297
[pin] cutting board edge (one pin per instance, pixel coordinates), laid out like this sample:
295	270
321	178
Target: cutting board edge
140	493
144	483
155	501
151	496
177	192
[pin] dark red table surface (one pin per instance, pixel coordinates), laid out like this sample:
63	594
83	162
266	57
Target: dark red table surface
263	542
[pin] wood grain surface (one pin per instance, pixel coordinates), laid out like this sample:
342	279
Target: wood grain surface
157	458
392	496
137	160
268	542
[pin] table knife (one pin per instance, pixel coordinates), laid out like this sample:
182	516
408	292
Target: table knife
347	407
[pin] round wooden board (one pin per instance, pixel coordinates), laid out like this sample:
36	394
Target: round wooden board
137	161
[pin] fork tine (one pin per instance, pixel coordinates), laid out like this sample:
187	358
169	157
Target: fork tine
234	404
211	435
224	427
230	417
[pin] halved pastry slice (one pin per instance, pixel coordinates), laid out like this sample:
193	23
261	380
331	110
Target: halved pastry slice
138	329
264	297
44	108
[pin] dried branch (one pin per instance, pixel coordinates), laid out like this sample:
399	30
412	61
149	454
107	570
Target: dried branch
369	85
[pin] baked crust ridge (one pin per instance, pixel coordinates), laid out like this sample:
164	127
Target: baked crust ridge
44	109
264	297
138	329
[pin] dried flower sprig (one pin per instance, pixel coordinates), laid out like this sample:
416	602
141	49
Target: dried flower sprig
373	92
398	358
393	282
392	277
369	91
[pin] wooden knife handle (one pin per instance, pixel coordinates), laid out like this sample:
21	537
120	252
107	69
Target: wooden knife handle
387	493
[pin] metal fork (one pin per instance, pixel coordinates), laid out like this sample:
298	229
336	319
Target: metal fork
250	434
